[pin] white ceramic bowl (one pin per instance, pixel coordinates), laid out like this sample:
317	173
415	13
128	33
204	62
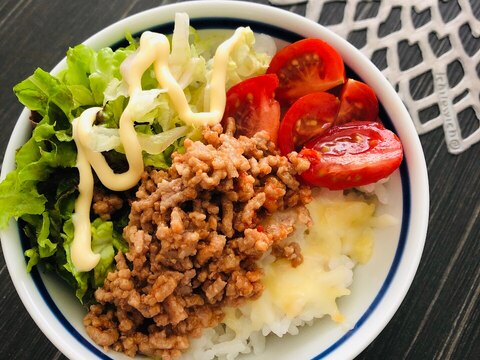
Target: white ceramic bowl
379	286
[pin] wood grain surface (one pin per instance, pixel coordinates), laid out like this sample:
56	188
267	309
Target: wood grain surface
440	316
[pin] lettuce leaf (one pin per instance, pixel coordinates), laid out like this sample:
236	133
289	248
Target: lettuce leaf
42	90
41	191
17	199
78	279
104	242
35	162
89	73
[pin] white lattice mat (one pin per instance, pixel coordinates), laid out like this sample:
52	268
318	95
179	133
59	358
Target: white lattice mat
429	50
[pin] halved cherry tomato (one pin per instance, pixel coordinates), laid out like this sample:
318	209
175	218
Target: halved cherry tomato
357	102
308	117
353	154
253	106
306	66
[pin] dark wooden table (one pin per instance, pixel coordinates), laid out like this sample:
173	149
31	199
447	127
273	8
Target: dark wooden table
440	317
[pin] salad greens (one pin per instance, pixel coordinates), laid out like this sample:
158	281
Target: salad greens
41	192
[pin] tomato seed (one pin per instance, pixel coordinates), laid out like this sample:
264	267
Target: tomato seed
311	122
357	138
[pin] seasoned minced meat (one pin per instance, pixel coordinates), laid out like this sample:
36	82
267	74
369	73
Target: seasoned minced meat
195	234
104	205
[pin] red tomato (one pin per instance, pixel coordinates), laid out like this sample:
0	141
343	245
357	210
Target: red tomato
308	117
357	102
306	66
352	154
251	103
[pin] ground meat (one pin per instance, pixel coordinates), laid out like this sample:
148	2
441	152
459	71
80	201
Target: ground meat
195	235
291	251
104	205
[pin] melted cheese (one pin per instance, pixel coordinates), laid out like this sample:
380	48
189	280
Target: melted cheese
154	49
344	225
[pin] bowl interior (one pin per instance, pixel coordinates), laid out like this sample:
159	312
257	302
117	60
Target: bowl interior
378	287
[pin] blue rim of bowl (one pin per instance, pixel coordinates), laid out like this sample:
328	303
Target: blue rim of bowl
289	36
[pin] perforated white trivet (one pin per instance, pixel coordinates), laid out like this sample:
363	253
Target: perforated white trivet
429	50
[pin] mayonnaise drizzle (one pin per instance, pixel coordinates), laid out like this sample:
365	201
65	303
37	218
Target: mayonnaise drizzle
83	258
154	49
